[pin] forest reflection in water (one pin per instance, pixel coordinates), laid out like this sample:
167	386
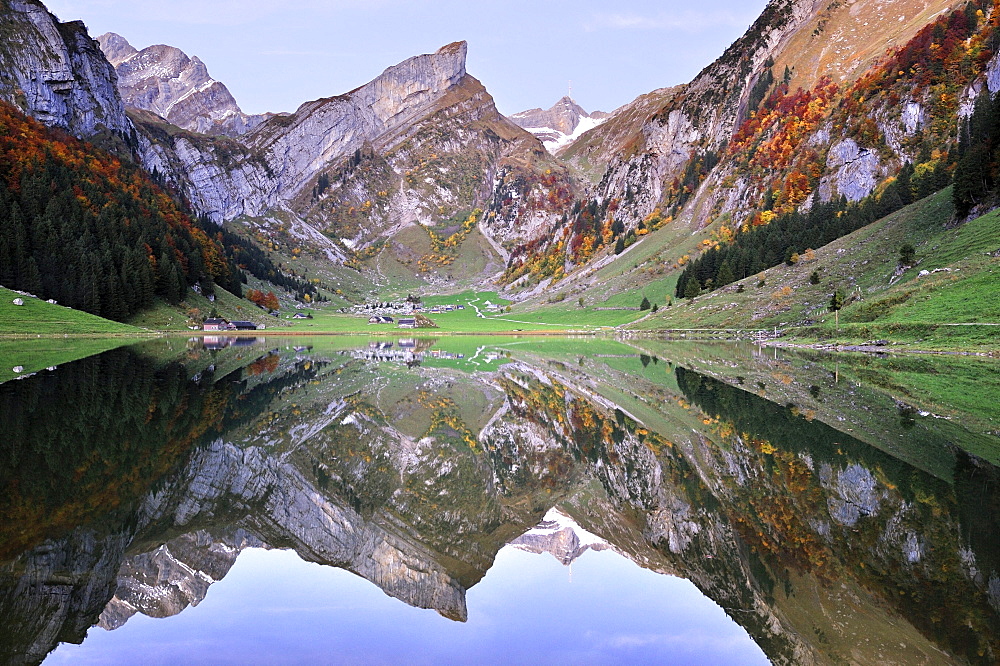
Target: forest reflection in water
835	508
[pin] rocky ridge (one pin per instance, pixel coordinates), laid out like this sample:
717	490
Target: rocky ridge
55	73
432	130
164	80
702	116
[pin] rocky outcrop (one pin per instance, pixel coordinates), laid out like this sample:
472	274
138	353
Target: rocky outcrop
855	171
56	73
56	592
323	131
165	81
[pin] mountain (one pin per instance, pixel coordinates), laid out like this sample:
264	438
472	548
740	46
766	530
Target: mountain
55	73
560	536
164	80
805	108
560	125
414	179
421	147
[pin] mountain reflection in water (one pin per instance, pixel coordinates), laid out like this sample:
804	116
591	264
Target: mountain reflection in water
828	518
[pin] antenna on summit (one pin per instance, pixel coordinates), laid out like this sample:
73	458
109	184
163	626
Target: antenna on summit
571	89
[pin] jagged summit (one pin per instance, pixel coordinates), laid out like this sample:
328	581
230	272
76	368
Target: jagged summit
560	536
164	80
559	125
116	48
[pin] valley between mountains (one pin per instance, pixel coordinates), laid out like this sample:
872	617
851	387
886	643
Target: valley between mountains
828	180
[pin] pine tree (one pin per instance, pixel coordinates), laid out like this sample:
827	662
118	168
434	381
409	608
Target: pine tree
692	289
907	255
620	245
725	275
645	304
836	304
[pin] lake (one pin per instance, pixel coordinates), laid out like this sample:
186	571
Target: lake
495	500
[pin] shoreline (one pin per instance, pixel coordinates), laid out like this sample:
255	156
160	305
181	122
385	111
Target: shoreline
688	335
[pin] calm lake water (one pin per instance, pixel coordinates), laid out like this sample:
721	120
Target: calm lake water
497	501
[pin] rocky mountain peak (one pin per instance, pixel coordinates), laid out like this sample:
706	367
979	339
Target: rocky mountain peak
328	129
415	80
559	125
116	48
560	536
164	80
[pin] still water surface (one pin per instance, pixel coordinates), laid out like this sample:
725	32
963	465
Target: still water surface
464	500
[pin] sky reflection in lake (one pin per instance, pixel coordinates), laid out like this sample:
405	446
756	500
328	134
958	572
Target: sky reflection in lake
274	608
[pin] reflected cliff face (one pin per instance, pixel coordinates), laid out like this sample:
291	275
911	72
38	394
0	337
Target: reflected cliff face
787	491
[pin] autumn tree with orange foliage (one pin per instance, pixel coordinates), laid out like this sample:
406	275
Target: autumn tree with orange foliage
84	228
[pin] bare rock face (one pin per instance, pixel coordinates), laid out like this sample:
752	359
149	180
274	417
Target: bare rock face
164	80
322	131
55	73
116	48
560	125
419	144
165	581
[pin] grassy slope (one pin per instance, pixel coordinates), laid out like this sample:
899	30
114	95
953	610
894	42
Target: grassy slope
165	317
863	264
552	319
36	354
39	317
397	264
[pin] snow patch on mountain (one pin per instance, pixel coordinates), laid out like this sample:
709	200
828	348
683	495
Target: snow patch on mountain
554	140
560	125
561	536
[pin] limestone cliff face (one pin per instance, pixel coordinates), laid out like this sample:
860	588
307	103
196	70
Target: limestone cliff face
275	502
53	594
56	73
699	115
164	80
420	144
165	581
325	130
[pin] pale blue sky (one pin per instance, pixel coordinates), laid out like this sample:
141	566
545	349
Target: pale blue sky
274	55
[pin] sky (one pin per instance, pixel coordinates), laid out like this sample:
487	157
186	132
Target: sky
274	608
273	56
